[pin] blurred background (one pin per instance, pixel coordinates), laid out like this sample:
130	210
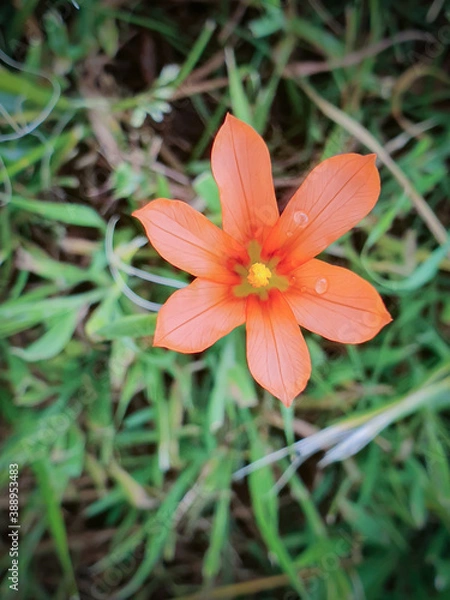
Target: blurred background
122	456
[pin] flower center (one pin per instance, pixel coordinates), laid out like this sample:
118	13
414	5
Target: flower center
259	275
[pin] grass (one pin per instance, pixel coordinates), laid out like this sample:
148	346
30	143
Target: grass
126	453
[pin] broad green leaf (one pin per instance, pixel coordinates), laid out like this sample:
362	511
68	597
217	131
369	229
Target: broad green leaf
239	101
318	37
133	326
34	90
424	273
39	152
18	315
73	214
33	259
206	187
54	340
220	392
106	313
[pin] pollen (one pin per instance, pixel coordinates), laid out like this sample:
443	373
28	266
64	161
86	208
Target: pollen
259	275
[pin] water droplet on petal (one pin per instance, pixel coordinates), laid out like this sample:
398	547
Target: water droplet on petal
321	285
303	289
292	279
301	219
289	234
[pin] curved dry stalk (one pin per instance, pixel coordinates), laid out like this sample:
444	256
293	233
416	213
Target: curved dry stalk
111	258
306	68
365	137
30	127
351	435
404	83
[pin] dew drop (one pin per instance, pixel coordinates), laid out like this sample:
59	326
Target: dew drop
289	234
303	289
301	219
321	285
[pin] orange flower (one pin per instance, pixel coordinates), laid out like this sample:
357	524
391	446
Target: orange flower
260	269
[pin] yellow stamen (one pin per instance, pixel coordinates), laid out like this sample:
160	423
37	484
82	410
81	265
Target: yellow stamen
259	275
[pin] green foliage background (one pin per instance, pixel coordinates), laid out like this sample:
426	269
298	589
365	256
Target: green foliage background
126	453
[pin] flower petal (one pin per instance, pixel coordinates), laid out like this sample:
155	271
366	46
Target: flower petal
336	303
240	164
196	316
277	354
185	238
334	197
